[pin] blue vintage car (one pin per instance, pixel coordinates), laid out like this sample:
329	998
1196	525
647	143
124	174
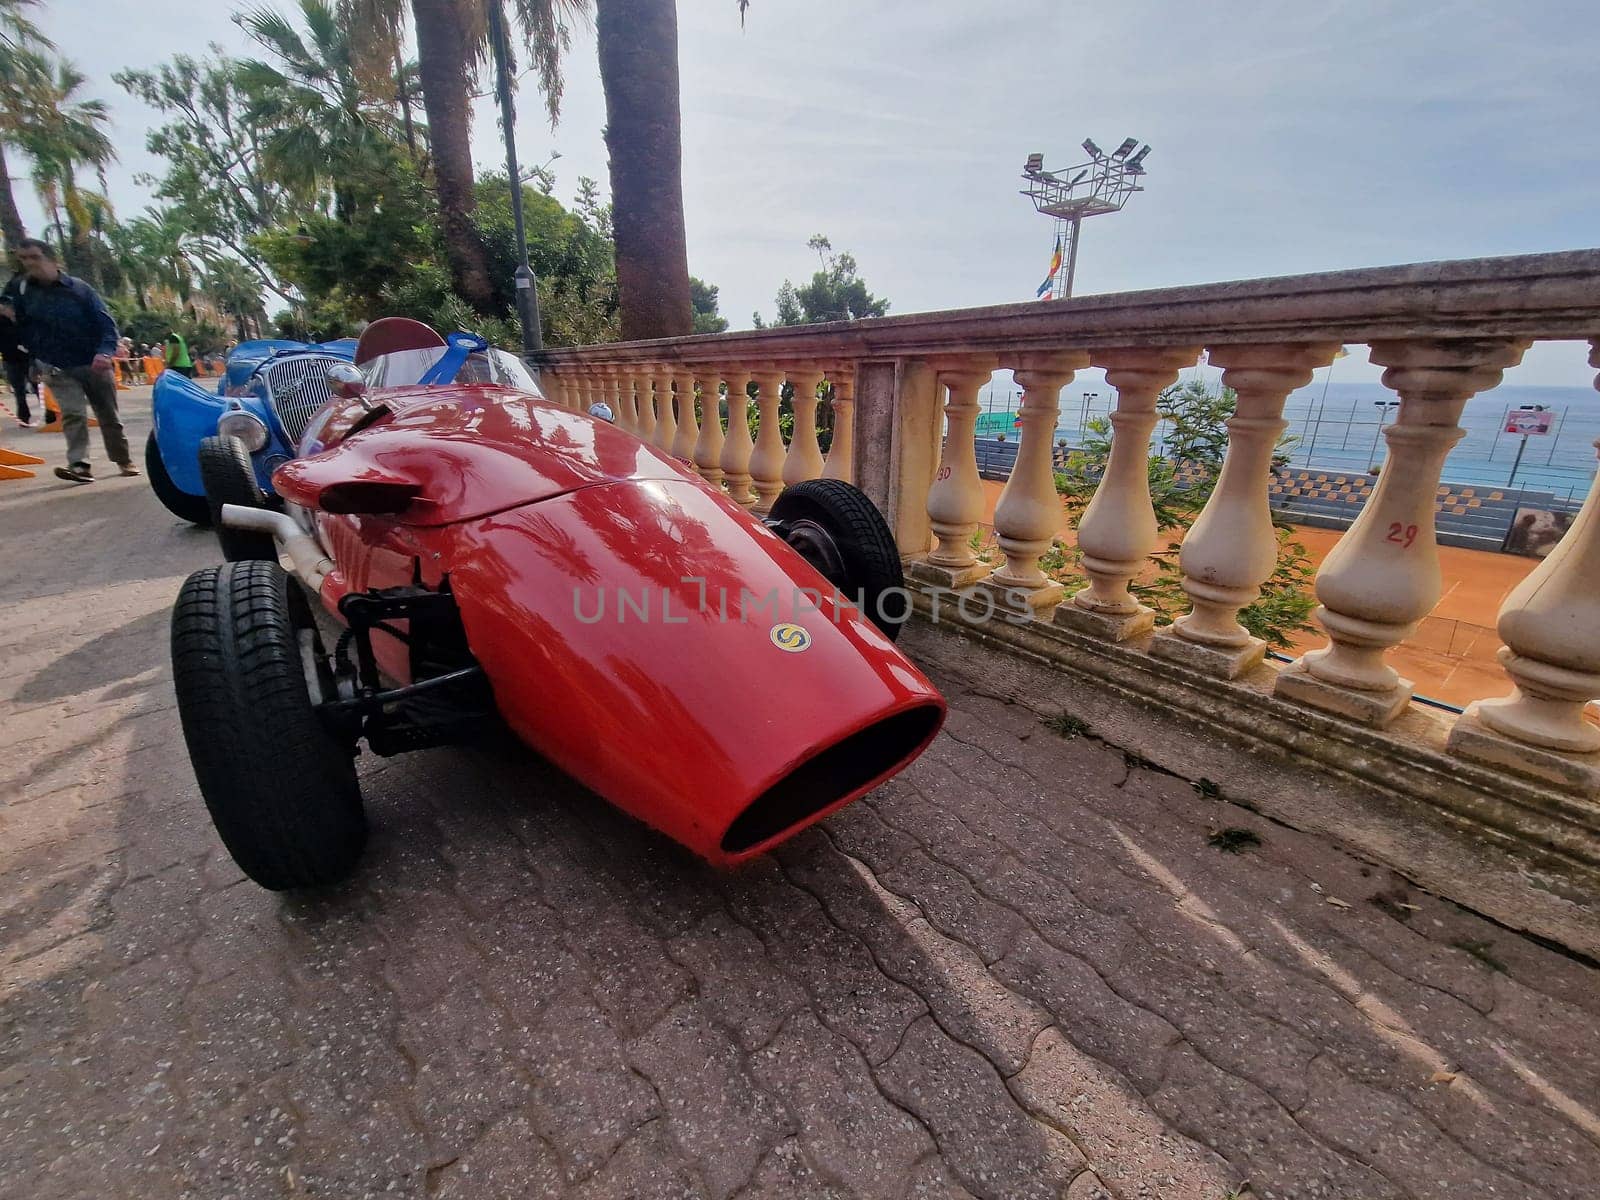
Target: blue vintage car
265	397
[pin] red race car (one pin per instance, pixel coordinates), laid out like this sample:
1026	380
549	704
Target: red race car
463	550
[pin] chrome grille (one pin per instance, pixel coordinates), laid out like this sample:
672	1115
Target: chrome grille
298	388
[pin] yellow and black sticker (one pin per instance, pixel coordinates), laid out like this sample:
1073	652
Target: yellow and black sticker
790	637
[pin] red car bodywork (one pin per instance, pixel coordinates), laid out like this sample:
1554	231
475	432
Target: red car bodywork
631	619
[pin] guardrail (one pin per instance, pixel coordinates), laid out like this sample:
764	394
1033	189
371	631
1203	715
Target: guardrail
904	403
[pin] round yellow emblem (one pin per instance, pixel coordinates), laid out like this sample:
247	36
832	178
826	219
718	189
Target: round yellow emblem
790	638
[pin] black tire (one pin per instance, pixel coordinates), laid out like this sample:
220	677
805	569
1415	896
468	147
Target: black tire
281	789
179	503
229	478
868	567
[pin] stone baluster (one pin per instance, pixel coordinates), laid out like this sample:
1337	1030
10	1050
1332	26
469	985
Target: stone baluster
1232	548
1028	514
610	394
738	447
644	411
1550	625
955	501
688	431
805	455
842	449
766	462
583	388
636	399
1383	576
602	388
709	441
666	416
1118	530
552	387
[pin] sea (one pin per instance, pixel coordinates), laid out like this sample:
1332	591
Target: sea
1336	427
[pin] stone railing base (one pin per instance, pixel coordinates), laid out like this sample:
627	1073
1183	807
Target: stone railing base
1492	841
1471	738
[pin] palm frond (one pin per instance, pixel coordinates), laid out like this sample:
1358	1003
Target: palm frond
546	28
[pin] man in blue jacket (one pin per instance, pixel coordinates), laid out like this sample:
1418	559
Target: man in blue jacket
65	326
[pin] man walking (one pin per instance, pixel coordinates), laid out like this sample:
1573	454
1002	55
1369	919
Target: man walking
65	326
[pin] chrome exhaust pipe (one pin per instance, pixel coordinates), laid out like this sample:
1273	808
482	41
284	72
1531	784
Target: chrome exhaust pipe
308	561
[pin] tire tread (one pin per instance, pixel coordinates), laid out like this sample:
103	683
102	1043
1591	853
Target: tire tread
281	790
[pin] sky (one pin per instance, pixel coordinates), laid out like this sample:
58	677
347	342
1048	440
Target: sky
1286	138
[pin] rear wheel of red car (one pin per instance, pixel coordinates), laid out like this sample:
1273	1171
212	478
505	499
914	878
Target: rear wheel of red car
840	532
229	478
175	500
280	787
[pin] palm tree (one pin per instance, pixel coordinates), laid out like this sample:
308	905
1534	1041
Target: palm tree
23	69
165	241
65	135
328	123
236	290
638	42
132	264
452	41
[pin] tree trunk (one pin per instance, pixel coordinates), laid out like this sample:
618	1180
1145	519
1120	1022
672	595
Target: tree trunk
10	219
405	103
442	67
639	70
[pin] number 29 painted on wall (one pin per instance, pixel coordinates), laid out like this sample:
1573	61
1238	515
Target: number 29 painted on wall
1402	535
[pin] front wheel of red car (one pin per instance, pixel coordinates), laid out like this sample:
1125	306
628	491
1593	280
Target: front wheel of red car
280	786
840	532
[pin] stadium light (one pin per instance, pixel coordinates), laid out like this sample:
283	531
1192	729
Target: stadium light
1101	185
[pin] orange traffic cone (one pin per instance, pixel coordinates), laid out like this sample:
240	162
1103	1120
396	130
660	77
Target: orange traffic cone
53	412
12	462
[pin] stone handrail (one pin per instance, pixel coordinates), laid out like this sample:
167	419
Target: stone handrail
904	406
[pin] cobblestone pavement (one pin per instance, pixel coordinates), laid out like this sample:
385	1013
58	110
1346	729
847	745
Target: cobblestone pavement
1019	970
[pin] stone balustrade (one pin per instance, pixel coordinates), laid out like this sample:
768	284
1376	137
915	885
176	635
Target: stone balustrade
901	400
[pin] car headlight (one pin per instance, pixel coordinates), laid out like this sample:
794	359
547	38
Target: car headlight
247	427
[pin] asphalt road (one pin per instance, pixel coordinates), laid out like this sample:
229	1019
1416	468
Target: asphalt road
1019	970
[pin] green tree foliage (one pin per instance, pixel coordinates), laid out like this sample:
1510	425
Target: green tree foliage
703	297
148	326
836	292
235	290
25	75
374	247
570	253
45	113
215	184
325	129
1182	479
302	168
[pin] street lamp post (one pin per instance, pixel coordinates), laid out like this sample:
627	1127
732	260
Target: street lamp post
1083	417
1383	407
1522	448
527	284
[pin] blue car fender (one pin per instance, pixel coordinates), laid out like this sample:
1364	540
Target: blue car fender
185	413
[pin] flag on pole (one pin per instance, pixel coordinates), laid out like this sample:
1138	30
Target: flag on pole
1047	288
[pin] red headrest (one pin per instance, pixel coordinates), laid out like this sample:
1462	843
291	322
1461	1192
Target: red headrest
389	334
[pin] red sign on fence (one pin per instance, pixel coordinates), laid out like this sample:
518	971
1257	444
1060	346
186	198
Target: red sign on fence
1529	422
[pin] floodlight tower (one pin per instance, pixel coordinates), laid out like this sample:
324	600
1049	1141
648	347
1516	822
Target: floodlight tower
1101	185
